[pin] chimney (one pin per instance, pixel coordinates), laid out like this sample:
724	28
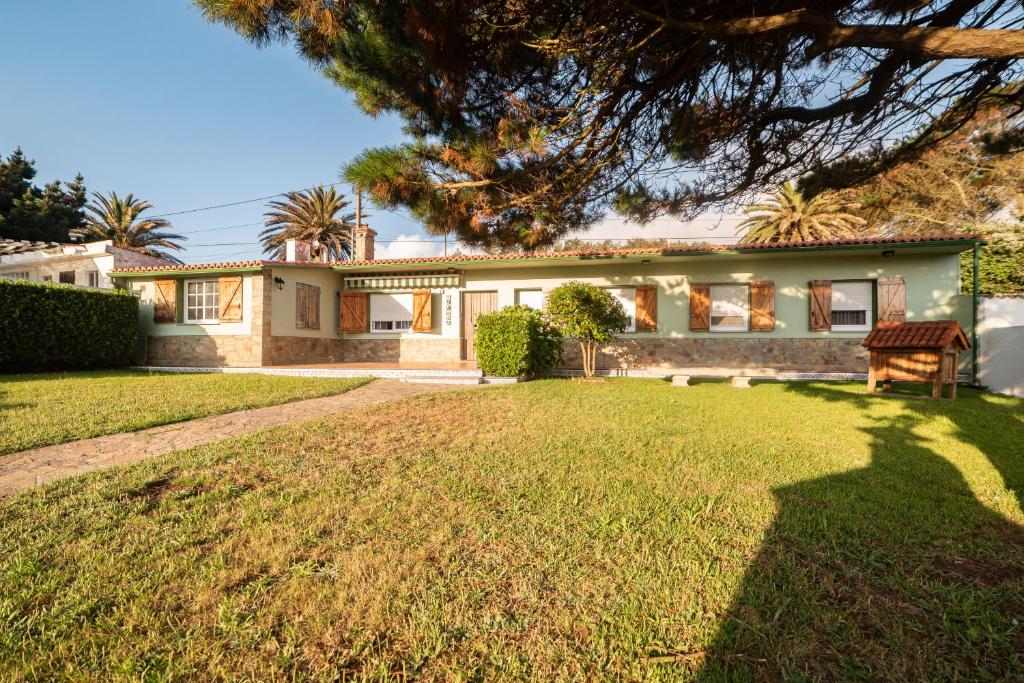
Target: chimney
364	243
296	250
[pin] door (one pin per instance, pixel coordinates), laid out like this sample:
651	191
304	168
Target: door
474	305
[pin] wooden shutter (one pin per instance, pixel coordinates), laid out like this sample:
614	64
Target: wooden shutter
821	305
646	308
355	312
421	301
892	300
307	306
229	299
700	307
165	301
762	306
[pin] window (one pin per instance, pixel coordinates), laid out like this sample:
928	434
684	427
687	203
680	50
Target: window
66	277
94	278
47	278
390	312
851	306
534	298
307	306
730	308
15	275
201	301
627	297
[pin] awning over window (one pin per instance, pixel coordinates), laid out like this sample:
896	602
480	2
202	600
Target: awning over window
404	281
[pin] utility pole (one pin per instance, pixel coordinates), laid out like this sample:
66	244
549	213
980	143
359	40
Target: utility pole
359	218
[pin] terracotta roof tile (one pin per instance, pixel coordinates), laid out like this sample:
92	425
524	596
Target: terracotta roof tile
917	335
9	246
671	251
581	254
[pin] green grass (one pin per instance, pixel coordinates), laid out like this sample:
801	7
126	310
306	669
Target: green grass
625	530
43	409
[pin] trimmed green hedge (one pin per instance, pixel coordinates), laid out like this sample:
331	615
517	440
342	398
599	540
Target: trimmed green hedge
47	327
516	342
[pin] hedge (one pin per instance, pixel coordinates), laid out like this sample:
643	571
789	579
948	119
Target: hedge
516	342
55	327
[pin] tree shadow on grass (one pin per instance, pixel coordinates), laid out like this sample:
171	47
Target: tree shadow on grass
893	571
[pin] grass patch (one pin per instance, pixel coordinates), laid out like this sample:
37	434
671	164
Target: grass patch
43	409
623	530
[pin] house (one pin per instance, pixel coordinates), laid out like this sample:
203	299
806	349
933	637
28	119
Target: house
86	265
803	307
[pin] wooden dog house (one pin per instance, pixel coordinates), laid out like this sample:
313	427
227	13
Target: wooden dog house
916	352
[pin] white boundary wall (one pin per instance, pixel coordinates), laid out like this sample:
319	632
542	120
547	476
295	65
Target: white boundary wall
1001	344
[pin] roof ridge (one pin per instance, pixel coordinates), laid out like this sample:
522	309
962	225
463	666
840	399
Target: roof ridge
580	253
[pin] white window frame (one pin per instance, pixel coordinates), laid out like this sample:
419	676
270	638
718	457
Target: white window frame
627	297
722	298
864	304
532	291
388	322
93	278
207	288
17	275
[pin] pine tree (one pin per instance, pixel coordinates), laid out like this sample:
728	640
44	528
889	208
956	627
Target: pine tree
29	212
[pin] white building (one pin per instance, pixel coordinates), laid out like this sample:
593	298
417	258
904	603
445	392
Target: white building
85	265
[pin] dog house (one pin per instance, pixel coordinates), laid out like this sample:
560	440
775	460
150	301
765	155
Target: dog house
916	352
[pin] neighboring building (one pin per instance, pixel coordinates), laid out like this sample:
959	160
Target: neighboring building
790	307
85	265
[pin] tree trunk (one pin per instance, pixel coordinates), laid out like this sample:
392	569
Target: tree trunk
585	352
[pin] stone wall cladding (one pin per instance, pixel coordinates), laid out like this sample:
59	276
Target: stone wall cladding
198	351
796	355
301	350
407	350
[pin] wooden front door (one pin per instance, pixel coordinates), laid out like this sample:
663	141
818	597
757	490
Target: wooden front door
474	305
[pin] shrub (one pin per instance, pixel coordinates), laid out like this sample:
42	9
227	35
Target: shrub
45	326
588	313
516	342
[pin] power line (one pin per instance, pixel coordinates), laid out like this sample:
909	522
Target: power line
239	203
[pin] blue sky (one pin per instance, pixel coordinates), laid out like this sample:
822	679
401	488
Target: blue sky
147	97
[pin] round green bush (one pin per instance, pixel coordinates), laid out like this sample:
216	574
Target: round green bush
516	342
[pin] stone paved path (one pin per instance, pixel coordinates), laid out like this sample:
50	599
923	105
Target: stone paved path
41	465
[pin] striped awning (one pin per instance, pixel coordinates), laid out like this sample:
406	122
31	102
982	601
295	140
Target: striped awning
404	281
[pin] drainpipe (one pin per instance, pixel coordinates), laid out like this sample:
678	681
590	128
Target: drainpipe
975	315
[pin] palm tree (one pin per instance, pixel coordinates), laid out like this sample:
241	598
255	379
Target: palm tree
788	216
118	219
310	216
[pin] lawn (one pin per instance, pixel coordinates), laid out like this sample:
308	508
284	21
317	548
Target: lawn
625	530
43	409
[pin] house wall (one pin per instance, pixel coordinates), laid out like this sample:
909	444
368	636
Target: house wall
202	345
932	288
81	259
1001	344
288	344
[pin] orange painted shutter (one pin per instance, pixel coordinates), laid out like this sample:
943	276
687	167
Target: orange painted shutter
355	312
821	305
762	306
892	300
646	308
229	299
165	301
421	321
700	307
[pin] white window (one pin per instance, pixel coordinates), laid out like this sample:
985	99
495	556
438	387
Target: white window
851	306
66	277
390	312
94	278
730	308
16	275
201	301
627	297
534	298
